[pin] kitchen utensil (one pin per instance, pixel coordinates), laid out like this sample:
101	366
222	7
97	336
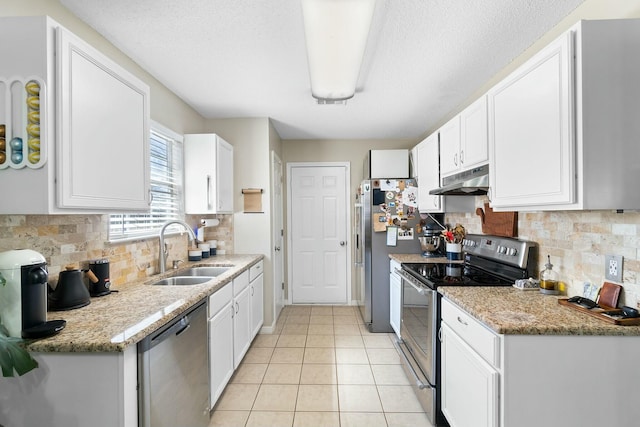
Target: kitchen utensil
70	292
23	295
98	275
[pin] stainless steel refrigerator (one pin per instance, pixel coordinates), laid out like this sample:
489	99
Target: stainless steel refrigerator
385	222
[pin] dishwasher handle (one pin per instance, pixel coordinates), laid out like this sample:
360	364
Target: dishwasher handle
176	327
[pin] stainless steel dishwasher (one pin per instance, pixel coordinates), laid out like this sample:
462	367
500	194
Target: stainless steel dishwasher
173	373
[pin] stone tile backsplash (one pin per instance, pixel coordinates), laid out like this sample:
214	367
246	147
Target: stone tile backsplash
76	239
578	242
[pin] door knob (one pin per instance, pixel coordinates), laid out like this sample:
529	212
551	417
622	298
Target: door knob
342	243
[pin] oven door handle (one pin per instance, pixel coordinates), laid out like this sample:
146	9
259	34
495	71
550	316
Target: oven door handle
420	289
408	364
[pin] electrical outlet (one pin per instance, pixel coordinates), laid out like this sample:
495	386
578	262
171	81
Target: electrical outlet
613	268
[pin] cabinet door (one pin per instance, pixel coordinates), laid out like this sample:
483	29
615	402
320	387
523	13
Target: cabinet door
450	147
395	301
469	384
257	304
241	325
531	137
224	176
103	131
429	163
474	146
220	351
199	169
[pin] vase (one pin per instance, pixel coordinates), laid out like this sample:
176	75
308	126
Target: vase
454	251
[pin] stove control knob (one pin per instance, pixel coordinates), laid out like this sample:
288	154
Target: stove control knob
502	250
512	251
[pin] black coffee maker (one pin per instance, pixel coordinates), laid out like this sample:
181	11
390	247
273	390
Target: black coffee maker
98	274
23	295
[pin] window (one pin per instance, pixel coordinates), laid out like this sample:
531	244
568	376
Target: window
166	189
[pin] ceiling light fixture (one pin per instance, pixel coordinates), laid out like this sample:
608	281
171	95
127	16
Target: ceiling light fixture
336	33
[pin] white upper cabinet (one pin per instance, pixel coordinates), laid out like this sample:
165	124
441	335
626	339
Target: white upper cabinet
474	145
82	131
563	128
532	141
429	175
450	146
463	140
208	174
103	132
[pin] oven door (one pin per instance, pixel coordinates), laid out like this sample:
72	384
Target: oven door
418	345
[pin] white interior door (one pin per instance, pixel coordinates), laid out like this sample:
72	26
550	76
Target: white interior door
278	240
318	225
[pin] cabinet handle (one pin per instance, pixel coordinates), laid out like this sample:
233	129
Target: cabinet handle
462	321
461	156
150	197
208	191
237	308
440	334
252	290
435	201
455	159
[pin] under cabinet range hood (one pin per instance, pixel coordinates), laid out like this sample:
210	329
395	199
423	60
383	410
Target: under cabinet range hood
473	182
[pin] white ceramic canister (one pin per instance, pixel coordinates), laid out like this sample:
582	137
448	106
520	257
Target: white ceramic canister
204	247
195	254
213	246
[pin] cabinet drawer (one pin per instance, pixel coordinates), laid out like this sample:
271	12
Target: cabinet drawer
255	271
482	340
240	282
220	298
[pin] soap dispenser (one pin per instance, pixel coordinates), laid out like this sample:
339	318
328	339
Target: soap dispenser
549	282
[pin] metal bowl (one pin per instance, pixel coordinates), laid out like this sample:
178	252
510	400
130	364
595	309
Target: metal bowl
430	243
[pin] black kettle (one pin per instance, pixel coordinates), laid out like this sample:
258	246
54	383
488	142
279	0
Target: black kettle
70	291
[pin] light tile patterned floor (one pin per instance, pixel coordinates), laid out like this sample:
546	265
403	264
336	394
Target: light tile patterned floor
320	368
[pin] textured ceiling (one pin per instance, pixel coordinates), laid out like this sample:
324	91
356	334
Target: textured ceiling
247	58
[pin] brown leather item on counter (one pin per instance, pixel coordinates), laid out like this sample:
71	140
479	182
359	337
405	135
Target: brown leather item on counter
609	294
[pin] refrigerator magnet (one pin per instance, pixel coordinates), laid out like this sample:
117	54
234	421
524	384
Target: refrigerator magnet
392	236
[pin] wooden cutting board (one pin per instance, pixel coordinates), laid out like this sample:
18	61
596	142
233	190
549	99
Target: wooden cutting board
599	313
498	223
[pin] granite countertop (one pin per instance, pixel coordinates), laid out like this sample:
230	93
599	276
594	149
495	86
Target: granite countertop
510	311
418	258
113	322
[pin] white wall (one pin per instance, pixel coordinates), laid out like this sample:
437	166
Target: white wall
251	139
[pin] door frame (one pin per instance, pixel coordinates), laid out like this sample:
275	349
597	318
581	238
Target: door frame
347	201
278	288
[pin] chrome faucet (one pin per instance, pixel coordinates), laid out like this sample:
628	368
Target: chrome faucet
163	252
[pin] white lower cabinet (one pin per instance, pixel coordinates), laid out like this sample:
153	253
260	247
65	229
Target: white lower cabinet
257	297
221	364
395	297
241	317
534	380
470	385
470	378
74	389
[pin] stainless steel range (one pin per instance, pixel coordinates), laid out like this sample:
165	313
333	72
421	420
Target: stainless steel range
488	261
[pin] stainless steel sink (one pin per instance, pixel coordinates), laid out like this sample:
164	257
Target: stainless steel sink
182	280
212	271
